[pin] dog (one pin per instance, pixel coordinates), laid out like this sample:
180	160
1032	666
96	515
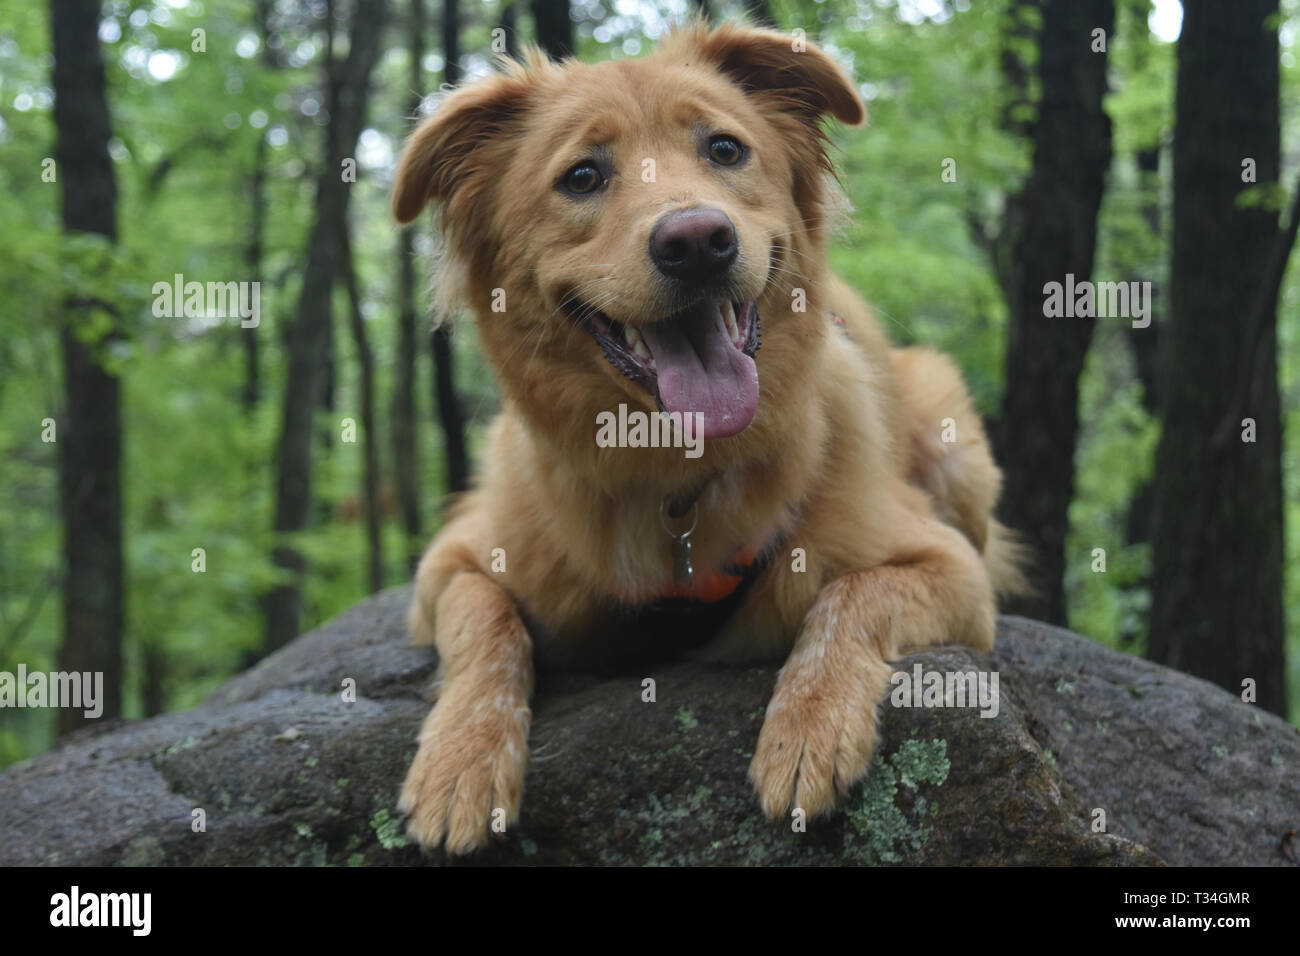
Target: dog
649	236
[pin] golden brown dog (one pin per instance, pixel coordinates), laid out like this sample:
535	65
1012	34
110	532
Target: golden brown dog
623	233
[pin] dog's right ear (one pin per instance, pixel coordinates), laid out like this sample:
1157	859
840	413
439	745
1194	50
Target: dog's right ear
444	158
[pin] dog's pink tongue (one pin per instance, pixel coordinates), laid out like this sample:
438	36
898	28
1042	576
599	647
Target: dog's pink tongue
701	370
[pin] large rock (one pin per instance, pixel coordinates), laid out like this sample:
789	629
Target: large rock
286	771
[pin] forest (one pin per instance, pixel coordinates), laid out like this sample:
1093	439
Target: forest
230	408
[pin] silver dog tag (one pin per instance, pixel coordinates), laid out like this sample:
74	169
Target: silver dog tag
682	570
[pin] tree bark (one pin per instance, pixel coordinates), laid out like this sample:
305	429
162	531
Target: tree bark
1217	527
154	693
253	259
449	413
369	427
405	451
309	333
446	402
554	28
89	433
1051	231
252	393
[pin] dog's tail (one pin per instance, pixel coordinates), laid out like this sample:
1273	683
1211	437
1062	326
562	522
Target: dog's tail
1006	556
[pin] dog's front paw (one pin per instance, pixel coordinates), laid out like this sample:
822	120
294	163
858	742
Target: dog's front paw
814	745
468	772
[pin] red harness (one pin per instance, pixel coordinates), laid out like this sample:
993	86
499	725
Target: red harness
712	586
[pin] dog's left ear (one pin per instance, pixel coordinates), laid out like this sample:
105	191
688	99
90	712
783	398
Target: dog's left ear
792	74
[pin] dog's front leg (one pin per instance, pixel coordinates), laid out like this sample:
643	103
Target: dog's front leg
474	743
820	731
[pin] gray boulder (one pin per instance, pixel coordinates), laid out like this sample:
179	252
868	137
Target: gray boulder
287	772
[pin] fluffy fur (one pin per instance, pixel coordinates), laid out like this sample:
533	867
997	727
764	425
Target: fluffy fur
843	459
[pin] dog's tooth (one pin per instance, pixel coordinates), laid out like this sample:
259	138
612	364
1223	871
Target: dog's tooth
637	344
729	317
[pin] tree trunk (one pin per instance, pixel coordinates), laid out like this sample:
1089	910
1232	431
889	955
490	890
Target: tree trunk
444	379
89	433
369	428
154	694
554	28
405	451
309	333
326	366
449	413
252	393
1051	232
1217	528
253	259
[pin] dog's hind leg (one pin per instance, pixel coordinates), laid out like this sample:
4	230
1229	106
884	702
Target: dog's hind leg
820	730
948	454
949	458
473	747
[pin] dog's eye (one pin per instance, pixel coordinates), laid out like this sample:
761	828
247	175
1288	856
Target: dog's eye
725	150
583	178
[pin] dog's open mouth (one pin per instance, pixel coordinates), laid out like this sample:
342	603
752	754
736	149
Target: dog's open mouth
698	361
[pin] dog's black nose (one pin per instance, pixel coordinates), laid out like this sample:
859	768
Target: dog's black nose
694	245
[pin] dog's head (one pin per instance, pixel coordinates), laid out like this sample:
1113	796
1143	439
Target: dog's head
637	220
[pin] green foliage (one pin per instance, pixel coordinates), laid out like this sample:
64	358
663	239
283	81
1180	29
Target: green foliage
933	94
1116	451
198	465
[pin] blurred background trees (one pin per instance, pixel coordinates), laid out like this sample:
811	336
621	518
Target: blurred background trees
208	491
1049	231
90	454
1217	522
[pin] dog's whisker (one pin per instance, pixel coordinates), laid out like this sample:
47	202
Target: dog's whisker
877	310
543	335
521	342
592	306
577	297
